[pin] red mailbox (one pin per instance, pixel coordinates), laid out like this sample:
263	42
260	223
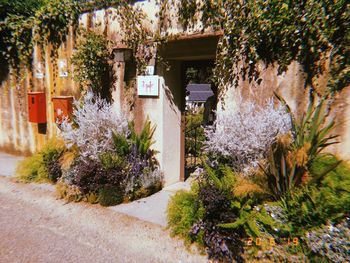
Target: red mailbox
63	107
37	107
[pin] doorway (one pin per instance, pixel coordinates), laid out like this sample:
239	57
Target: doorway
190	60
199	109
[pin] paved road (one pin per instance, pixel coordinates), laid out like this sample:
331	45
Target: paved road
8	163
35	227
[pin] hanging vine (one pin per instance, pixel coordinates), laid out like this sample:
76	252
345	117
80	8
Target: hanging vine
24	25
48	25
312	32
92	64
136	36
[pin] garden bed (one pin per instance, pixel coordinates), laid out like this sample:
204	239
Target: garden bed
269	192
99	157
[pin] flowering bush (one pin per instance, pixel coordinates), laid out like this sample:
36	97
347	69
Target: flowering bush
114	163
94	122
243	138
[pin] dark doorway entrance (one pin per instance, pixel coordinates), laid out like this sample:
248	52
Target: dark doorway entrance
188	58
199	106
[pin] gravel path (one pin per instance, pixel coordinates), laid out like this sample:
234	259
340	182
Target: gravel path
35	227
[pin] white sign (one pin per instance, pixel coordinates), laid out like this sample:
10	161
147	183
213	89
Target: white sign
148	85
63	68
38	70
149	70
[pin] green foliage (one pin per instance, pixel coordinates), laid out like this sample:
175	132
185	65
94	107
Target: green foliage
231	217
250	220
19	7
111	160
26	23
16	33
282	175
311	128
195	136
187	11
36	167
289	160
183	211
93	70
309	32
44	22
222	178
136	35
31	169
143	141
121	144
248	217
327	200
53	20
110	195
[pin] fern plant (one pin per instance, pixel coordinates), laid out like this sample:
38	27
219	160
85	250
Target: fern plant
223	178
250	219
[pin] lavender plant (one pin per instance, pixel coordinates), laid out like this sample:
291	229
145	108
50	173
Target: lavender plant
94	122
243	137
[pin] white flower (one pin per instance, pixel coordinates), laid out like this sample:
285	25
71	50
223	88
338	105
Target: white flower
244	136
95	120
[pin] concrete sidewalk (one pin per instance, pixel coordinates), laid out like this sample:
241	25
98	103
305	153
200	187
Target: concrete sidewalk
150	209
153	208
8	164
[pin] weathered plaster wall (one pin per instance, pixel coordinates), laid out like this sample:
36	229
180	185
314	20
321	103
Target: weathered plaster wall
291	86
171	121
17	135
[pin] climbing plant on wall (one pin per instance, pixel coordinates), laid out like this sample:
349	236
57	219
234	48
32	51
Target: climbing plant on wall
24	24
312	32
136	36
92	66
47	23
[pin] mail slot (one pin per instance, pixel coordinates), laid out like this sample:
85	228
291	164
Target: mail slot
37	107
63	107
